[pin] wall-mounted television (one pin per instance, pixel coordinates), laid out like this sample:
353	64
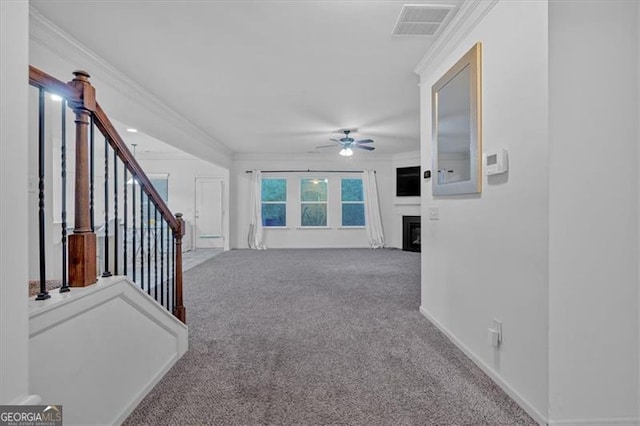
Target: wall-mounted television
408	181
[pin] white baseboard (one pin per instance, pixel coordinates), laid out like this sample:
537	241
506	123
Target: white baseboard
521	401
134	403
611	421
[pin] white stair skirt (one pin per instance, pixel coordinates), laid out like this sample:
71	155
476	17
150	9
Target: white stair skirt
99	350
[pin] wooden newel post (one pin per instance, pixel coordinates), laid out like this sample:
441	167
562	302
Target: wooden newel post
180	311
82	243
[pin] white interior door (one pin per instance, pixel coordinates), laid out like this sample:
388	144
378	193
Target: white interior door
208	229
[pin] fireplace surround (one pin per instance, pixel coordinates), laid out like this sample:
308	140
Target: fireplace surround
411	237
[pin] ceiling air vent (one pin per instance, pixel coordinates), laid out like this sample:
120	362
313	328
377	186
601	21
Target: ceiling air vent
423	20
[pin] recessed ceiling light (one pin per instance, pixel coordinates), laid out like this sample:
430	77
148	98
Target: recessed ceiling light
132	130
56	98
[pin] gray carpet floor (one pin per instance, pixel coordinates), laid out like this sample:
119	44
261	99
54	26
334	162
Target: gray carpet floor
318	337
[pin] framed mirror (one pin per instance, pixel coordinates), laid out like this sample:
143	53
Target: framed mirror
456	101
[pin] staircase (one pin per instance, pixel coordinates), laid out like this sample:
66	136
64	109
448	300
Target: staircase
108	321
142	239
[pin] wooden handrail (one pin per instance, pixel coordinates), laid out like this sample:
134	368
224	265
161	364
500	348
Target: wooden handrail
51	84
72	94
106	127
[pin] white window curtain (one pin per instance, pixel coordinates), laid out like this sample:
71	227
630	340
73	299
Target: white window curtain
256	238
372	209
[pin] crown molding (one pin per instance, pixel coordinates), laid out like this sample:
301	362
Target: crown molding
470	14
150	156
47	34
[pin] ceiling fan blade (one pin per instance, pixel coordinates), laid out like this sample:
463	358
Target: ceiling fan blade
335	140
368	148
326	146
365	141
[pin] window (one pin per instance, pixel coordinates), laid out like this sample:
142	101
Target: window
160	182
352	203
313	202
274	202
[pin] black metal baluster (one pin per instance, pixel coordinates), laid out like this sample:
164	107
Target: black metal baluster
44	294
161	261
155	252
148	223
63	201
92	175
173	272
169	268
171	247
133	218
141	238
106	272
168	238
116	224
126	217
169	251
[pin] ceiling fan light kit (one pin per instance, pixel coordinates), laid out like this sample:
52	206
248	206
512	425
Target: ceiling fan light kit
346	152
347	144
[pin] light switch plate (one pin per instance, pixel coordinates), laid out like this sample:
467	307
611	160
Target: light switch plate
434	213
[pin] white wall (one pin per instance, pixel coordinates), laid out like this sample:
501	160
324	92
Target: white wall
593	202
183	171
14	31
486	257
307	238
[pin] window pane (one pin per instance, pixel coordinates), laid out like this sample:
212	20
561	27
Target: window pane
162	187
274	190
353	214
314	215
352	190
274	214
313	190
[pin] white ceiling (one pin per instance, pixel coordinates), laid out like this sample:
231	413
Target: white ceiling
264	76
145	144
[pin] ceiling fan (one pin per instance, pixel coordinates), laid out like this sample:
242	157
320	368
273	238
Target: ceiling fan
348	143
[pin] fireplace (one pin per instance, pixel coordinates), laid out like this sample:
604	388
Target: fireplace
411	233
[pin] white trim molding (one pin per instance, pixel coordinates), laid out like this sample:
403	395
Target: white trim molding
470	14
609	421
506	387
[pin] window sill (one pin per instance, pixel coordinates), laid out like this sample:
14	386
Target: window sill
314	227
352	227
276	227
